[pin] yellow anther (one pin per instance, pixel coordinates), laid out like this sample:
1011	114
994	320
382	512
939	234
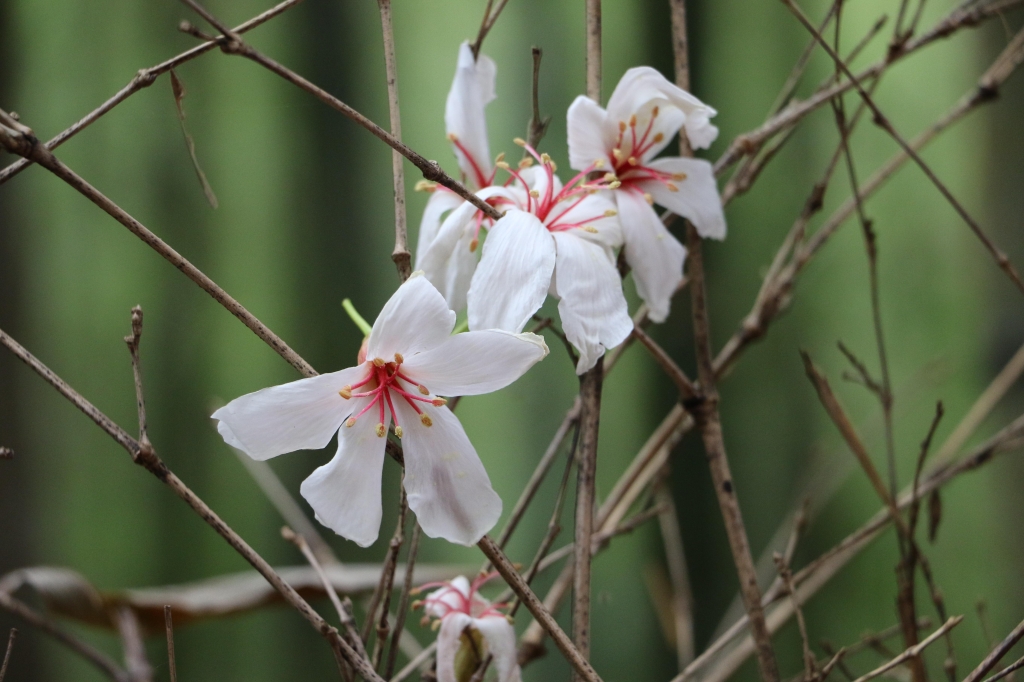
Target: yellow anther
614	184
425	420
435	626
554	166
622	126
654	112
526	163
608	177
658	138
438	402
499	158
414	592
452	137
472	248
589	228
534	193
544	158
399	359
423	389
648	198
632	161
416	605
345	392
502	165
350	422
599	163
679	177
632	121
424	621
425	186
611	213
510	619
398	431
671	187
379	362
617	153
381	430
519	141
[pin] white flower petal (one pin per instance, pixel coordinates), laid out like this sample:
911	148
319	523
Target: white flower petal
696	197
512	279
642	88
590	212
452	596
472	89
448	642
590	135
301	415
655	256
592	307
440	202
476	362
415	318
445	481
501	643
345	492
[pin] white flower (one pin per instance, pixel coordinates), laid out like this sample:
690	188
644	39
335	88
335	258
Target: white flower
552	238
644	114
466	126
409	349
461	609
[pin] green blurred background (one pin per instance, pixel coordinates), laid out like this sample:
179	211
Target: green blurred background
305	219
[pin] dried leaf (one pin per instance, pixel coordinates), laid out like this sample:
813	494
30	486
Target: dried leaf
67	593
934	515
178	88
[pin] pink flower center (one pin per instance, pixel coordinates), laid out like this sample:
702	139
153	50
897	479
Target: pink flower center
628	155
450	599
387	378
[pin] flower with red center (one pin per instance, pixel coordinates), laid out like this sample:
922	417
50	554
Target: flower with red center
643	115
552	237
470	624
466	126
411	359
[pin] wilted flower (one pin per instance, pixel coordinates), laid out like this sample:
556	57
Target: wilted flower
411	359
643	115
553	238
470	628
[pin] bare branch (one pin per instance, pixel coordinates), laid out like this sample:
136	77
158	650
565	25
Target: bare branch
990	661
7	656
912	652
172	665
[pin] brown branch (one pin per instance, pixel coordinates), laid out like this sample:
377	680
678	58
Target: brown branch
233	44
593	60
675	558
538	124
133	341
172	665
143	79
387	582
667	364
990	661
881	121
786	576
912	652
1008	670
403	603
97	658
400	255
586	497
22	142
147	458
486	25
514	580
7	656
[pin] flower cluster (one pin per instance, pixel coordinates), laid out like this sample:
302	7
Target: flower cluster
564	239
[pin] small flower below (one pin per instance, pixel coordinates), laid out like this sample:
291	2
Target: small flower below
471	627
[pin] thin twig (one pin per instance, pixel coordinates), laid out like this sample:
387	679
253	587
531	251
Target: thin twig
538	125
139	669
133	348
1008	670
382	595
586	496
674	372
403	602
996	654
912	652
810	667
172	666
400	255
147	458
7	655
233	44
97	658
514	580
486	25
143	79
675	558
881	121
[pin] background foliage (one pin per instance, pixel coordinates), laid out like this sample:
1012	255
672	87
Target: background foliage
305	219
